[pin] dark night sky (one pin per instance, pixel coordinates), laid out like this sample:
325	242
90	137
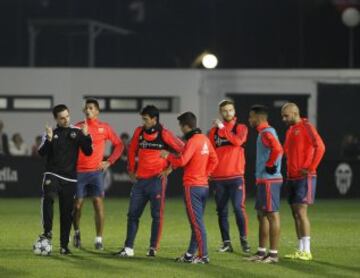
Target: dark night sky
243	33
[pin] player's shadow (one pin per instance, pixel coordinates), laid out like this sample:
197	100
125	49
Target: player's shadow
88	262
323	269
302	267
210	270
94	252
213	270
240	254
338	266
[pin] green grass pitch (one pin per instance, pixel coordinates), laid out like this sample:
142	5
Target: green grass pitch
335	243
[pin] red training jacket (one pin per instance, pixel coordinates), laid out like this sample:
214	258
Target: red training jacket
228	143
149	163
100	132
303	148
199	160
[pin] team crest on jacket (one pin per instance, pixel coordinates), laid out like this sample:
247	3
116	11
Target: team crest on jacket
56	136
101	129
205	149
72	135
221	141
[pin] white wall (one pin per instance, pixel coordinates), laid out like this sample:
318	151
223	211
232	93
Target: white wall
199	91
70	85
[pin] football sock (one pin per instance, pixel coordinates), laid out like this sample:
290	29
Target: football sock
273	253
301	245
306	244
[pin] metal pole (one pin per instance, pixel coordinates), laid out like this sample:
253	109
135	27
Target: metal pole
91	52
94	31
32	45
351	47
19	29
301	34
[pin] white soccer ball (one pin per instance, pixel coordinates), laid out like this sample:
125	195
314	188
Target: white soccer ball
42	247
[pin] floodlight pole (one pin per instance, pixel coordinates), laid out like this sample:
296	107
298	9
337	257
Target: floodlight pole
351	48
91	45
32	44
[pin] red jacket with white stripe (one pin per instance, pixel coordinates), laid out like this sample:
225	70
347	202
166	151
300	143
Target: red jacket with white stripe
199	160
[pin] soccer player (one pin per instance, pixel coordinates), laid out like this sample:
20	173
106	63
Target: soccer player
268	184
61	147
199	160
90	170
228	138
150	176
304	150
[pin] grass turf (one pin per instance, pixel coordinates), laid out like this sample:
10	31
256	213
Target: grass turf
335	243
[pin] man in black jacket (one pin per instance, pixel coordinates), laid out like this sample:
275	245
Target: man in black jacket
61	147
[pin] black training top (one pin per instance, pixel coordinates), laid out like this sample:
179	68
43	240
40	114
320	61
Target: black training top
62	151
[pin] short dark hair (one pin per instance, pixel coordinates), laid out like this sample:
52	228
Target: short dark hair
226	102
59	108
150	110
187	118
260	109
124	135
93	101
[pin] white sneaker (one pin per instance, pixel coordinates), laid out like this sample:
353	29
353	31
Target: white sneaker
125	252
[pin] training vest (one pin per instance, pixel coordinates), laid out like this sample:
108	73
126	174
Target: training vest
262	156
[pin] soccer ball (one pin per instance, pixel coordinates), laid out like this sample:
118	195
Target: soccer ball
42	247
